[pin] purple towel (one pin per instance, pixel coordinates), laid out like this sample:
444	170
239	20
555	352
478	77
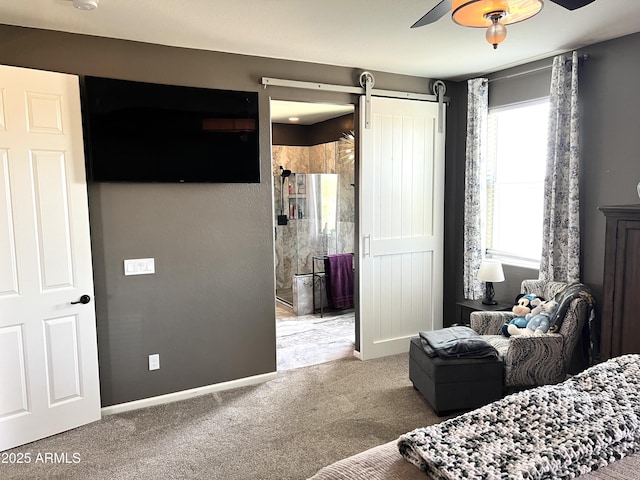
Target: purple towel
339	273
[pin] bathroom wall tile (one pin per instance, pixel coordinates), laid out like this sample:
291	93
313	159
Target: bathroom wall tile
346	237
346	199
317	159
330	157
299	159
277	155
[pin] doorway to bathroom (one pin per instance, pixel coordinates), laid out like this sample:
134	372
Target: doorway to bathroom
313	161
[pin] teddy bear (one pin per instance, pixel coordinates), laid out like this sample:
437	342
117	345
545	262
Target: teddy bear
523	305
538	321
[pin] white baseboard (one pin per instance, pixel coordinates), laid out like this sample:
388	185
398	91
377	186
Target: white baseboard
186	394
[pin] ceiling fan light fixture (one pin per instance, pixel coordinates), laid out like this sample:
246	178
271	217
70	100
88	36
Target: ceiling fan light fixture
493	15
496	32
85	4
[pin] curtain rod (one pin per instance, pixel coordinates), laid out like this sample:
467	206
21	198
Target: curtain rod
532	70
520	74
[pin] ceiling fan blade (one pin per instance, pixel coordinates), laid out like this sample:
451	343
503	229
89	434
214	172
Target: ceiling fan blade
572	4
435	14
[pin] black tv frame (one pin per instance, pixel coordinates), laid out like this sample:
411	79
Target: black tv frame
148	132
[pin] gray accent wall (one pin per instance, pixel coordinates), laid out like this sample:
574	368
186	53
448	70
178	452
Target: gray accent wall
610	142
521	84
209	311
454	199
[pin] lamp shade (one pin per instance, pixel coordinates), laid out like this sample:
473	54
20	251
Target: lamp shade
476	13
491	271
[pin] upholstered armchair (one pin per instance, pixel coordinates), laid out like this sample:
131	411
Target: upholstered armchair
539	359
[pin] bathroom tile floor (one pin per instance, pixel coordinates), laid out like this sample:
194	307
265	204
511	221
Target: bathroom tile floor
310	339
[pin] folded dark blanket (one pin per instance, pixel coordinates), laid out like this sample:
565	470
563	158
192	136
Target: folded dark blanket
456	342
564	298
590	330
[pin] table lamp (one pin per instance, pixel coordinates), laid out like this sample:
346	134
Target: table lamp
490	271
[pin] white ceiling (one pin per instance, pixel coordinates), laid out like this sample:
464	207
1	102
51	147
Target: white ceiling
307	113
367	34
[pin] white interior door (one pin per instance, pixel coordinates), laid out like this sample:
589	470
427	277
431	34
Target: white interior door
48	348
401	223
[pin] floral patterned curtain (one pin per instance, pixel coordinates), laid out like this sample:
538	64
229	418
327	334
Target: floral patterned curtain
474	201
560	259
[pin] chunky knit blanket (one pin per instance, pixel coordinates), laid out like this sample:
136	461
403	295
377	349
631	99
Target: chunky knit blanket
554	431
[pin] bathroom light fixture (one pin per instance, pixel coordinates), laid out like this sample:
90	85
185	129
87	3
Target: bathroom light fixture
490	271
346	146
493	14
85	4
294	119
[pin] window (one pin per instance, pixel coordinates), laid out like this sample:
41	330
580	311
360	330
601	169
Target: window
516	162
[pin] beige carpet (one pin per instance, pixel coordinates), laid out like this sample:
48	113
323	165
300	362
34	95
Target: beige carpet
287	428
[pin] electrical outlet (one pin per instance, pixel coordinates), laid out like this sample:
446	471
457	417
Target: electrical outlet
154	361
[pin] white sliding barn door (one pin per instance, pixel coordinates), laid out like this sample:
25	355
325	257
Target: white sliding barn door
48	349
401	224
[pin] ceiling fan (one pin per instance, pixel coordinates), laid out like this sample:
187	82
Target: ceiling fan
493	14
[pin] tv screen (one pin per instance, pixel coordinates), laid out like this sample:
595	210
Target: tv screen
147	132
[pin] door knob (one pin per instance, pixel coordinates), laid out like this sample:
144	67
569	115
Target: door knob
83	299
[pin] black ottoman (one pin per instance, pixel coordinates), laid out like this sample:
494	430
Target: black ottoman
454	384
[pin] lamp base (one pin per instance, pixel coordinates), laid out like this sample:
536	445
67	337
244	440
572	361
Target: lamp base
488	294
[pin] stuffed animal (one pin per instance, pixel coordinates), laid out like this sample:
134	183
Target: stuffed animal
523	305
538	321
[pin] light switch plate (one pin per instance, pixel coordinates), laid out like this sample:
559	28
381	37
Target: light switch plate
140	266
154	361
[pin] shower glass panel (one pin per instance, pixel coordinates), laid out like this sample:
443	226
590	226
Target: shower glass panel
310	204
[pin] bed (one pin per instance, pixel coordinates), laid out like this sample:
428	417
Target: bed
587	427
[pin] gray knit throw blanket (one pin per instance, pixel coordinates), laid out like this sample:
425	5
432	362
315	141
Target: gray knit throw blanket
554	431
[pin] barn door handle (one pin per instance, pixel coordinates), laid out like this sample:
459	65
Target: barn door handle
367	245
84	299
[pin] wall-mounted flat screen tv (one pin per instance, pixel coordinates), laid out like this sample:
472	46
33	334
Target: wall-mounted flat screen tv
147	132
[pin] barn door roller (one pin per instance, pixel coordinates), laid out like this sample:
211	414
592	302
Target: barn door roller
367	82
